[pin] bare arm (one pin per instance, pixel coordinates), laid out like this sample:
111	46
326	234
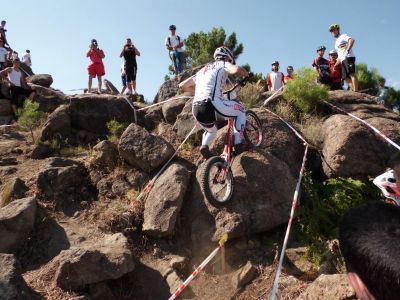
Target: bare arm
23	81
88	52
236	70
100	53
4	74
137	51
122	52
188	85
351	43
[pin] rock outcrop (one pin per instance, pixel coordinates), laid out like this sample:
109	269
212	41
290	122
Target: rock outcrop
12	285
16	222
12	190
164	201
142	149
44	80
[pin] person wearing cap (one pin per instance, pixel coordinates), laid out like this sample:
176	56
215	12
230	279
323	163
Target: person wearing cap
344	47
18	85
174	44
129	53
275	78
336	71
27	59
96	66
289	75
321	65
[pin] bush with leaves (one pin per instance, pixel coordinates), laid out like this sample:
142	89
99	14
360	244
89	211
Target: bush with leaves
29	117
115	129
368	79
303	92
323	204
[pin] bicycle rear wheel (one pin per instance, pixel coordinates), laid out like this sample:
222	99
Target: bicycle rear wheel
217	182
253	130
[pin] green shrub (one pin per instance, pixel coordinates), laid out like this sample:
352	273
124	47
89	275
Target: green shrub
323	206
115	129
304	92
250	94
30	118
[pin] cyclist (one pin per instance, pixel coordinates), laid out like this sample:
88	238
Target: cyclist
389	182
208	103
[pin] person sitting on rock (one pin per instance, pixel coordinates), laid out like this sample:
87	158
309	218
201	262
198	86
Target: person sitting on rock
369	238
96	66
209	102
18	85
336	71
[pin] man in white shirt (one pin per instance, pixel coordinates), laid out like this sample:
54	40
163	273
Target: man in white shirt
208	103
26	59
275	78
174	44
344	47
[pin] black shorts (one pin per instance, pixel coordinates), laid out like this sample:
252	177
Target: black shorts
349	67
204	113
16	93
130	72
336	86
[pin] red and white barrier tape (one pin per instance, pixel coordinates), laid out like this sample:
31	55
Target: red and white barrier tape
367	124
151	182
294	203
196	271
165	101
272	96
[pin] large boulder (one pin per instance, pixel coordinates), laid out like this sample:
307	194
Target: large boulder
109	258
167	90
44	80
12	284
185	121
164	201
65	182
142	149
91	112
261	200
58	124
48	98
150	118
105	154
351	149
5	107
329	287
12	190
172	109
16	222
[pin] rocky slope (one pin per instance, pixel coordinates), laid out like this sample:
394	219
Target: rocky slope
64	232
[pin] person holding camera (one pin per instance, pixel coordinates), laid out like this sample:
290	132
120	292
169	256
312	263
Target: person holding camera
129	53
96	66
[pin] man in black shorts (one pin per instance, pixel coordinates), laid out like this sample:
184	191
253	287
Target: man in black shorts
129	53
344	45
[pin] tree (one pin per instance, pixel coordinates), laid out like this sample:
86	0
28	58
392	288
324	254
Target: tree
200	47
368	79
29	117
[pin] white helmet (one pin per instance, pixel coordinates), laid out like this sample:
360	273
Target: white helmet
222	52
387	184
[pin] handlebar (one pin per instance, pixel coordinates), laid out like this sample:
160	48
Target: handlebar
241	83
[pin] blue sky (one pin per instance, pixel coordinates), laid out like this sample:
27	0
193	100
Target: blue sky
59	32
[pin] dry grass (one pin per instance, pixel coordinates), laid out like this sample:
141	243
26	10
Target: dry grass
311	127
287	111
250	94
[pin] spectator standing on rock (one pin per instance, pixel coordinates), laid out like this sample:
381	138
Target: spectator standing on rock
96	66
336	71
129	53
3	56
123	78
27	59
369	242
344	47
289	75
3	31
321	65
275	78
174	44
382	91
18	85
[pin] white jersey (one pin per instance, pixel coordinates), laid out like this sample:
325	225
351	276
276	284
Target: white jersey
173	41
341	45
26	59
15	77
3	54
210	81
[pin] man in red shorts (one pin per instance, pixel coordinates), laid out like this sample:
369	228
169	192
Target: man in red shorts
96	66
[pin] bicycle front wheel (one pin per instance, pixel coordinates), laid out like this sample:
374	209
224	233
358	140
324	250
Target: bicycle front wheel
217	182
253	130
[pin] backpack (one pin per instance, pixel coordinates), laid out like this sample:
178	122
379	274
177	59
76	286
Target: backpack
169	40
325	76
